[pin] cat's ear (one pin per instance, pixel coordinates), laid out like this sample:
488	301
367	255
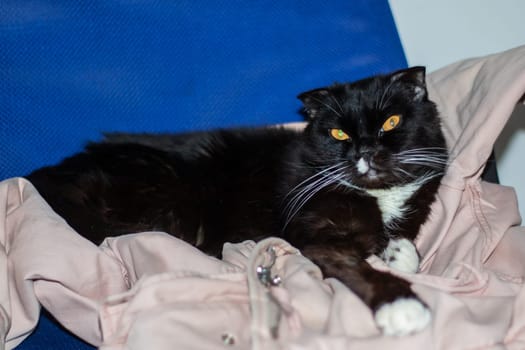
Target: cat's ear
414	76
313	101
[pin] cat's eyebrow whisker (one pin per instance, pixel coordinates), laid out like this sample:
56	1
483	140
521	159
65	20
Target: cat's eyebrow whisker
383	101
338	104
386	92
328	106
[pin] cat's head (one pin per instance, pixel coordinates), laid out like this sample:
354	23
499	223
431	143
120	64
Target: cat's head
377	132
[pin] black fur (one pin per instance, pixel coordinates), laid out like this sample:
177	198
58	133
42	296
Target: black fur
231	185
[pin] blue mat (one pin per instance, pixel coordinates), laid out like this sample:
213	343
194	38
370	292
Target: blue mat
72	69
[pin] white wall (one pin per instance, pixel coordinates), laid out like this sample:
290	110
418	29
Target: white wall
435	33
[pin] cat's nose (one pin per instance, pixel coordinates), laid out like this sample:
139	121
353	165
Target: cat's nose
366	147
366	154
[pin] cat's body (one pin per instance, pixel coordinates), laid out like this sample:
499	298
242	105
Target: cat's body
193	186
359	180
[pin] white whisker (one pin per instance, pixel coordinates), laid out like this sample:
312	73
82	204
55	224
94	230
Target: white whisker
328	106
313	192
314	176
432	157
309	187
338	104
422	149
302	191
404	172
424	159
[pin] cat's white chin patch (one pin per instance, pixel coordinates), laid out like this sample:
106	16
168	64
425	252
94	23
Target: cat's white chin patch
402	317
401	255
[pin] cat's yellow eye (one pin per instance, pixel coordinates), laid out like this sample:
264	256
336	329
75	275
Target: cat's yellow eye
391	123
339	135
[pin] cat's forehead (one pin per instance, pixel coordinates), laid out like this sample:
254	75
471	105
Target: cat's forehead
365	95
401	92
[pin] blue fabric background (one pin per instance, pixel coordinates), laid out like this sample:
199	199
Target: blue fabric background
71	69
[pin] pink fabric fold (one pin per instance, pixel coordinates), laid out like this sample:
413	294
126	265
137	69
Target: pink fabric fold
150	290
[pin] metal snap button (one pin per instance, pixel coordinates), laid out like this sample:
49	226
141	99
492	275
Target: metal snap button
228	339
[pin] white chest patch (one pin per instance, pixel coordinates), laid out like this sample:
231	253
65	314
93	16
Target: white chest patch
392	201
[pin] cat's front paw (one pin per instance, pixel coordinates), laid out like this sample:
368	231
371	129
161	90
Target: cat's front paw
401	254
403	316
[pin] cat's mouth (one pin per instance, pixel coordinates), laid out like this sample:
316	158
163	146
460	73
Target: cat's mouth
371	174
368	173
372	178
367	169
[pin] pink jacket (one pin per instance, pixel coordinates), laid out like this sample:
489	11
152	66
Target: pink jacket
152	291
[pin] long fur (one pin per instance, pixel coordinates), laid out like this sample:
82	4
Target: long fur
337	200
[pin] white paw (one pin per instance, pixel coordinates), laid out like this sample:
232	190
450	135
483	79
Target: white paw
403	316
401	254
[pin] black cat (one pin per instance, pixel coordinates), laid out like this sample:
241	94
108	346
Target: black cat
359	180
